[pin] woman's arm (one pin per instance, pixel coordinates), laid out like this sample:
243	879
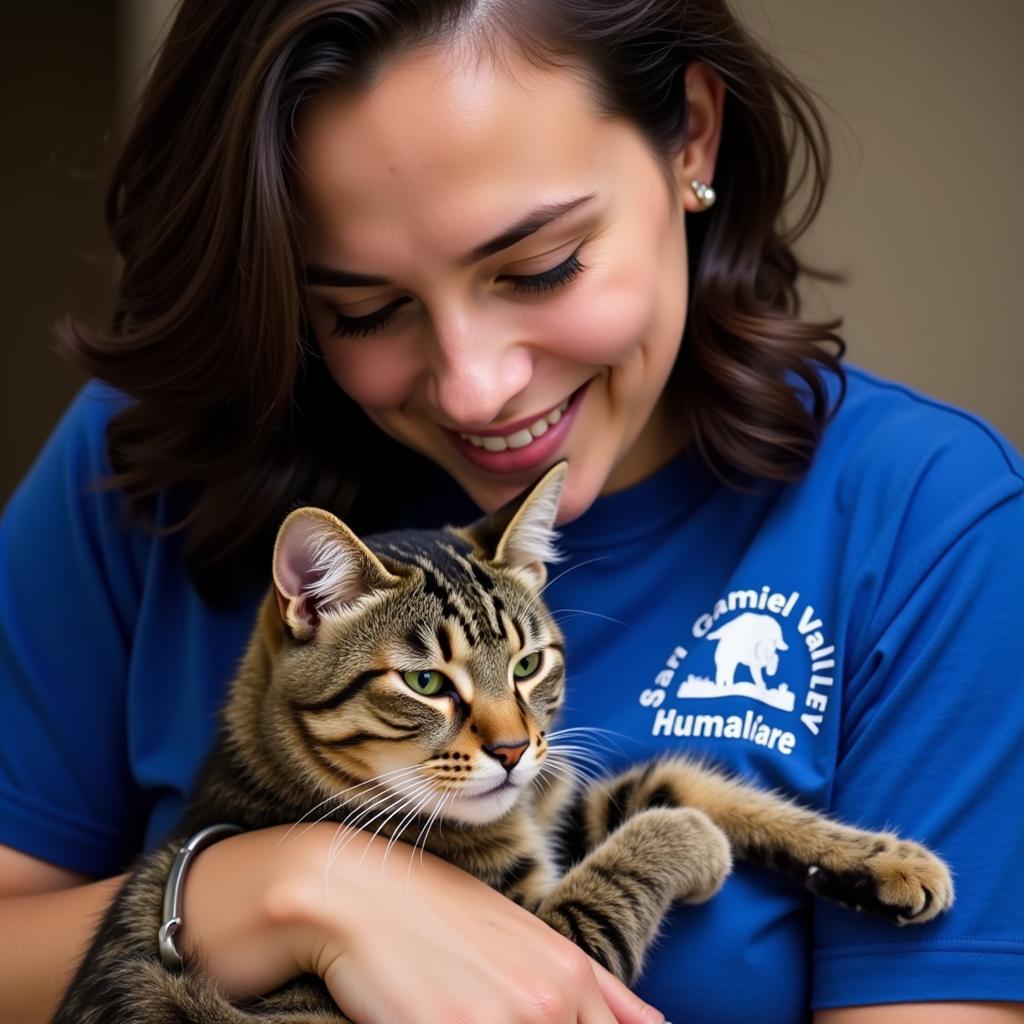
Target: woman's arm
262	907
47	917
931	734
361	917
925	1013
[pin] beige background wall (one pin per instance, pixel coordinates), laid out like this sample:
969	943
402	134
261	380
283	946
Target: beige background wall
926	214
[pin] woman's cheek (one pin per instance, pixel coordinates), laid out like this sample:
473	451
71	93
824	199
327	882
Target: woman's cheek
603	323
372	371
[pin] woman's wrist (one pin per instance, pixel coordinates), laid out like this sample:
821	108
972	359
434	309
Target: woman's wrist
248	909
189	849
314	903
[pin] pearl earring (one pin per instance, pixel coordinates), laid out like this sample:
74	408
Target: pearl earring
705	193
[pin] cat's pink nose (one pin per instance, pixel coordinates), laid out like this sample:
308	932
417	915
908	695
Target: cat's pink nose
507	753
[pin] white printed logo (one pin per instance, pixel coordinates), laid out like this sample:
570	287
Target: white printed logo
744	650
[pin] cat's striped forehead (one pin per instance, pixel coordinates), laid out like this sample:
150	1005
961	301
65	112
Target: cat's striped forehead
486	605
444	550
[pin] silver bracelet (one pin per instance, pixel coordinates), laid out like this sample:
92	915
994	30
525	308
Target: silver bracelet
169	955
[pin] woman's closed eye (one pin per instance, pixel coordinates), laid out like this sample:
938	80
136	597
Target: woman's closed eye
547	280
360	326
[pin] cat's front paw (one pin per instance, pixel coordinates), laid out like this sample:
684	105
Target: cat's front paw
701	849
898	880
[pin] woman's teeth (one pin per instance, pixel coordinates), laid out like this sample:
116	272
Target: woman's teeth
521	438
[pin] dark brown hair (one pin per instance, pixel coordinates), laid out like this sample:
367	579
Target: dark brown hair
231	404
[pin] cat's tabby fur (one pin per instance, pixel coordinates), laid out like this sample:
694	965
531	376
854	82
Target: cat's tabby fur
323	703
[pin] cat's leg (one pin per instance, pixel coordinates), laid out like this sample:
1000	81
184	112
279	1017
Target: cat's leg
873	871
144	992
612	902
122	978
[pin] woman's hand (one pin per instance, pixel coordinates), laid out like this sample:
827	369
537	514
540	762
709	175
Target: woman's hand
396	938
426	943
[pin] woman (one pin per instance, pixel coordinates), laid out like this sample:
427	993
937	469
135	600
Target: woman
395	260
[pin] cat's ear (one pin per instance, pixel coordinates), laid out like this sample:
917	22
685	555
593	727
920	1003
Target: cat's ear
321	566
521	534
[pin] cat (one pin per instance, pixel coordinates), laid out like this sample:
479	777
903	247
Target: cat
430	655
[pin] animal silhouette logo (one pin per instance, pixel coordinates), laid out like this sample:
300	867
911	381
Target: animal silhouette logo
752	640
747	646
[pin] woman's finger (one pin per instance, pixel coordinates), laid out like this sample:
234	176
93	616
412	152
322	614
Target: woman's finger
626	1006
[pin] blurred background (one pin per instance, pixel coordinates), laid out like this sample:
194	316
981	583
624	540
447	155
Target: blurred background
924	100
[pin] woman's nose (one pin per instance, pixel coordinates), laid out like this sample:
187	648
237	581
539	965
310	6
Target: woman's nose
475	371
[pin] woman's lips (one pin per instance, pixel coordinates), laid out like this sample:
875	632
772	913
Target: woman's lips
542	445
518	434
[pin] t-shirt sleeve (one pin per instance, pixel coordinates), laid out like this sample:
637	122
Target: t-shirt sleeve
69	585
932	740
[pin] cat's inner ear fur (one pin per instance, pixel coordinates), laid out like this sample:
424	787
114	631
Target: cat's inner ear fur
321	567
521	534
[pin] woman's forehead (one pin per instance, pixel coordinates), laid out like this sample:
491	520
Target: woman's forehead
450	150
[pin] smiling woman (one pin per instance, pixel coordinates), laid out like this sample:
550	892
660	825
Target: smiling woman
571	318
550	204
395	260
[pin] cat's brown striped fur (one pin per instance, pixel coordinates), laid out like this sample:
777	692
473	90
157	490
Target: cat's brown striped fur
320	705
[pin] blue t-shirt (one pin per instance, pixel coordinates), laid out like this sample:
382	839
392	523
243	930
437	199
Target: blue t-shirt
888	581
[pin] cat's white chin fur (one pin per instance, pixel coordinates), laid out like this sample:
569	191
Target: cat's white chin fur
478	810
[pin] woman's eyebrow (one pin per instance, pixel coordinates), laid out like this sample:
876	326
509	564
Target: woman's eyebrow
533	221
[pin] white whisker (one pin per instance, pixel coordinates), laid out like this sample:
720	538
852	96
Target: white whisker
351	820
582	771
542	780
555	612
398	810
438	820
585	730
554	774
354	829
397	781
568	771
426	825
372	801
549	771
599	752
571	568
344	798
535	600
404	796
425	833
577	749
582	754
396	834
347	829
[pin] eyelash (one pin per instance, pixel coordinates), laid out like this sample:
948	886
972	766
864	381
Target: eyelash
556	277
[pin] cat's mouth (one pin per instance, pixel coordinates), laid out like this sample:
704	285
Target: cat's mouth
501	787
484	806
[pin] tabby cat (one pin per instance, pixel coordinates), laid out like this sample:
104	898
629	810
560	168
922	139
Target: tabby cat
429	658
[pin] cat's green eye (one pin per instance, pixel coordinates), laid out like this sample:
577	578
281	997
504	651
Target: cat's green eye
526	667
426	682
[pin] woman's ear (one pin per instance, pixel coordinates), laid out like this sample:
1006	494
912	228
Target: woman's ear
705	98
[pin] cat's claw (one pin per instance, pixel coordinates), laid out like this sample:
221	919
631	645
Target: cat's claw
900	880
